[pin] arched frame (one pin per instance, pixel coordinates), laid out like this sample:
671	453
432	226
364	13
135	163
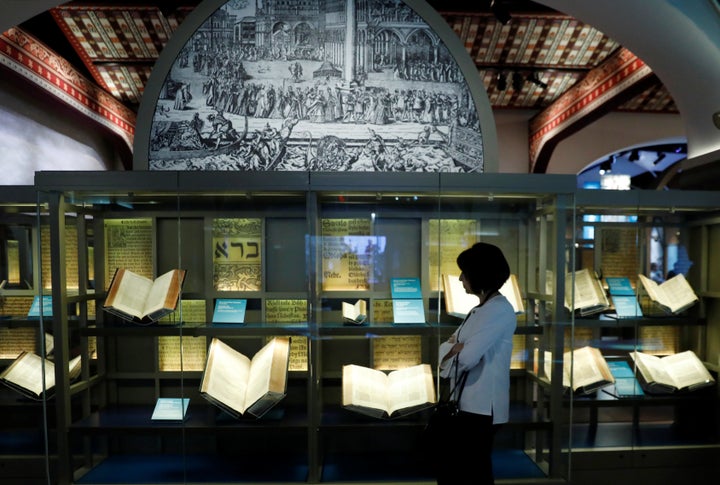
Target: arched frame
359	143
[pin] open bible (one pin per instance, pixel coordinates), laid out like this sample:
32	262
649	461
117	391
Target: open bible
354	314
672	296
586	295
136	298
398	393
678	372
458	302
585	370
25	375
240	385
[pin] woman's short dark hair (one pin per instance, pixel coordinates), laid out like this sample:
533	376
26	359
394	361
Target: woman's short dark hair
484	267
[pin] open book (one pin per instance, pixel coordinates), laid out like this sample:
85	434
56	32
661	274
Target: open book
25	375
589	295
511	290
136	298
662	375
240	385
585	370
458	302
398	393
354	314
672	296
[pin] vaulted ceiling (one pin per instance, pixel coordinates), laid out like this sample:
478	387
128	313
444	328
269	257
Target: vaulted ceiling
525	63
528	56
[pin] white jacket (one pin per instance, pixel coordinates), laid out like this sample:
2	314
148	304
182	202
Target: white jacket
487	335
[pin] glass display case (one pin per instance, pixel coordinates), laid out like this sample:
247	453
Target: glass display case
651	255
340	271
26	412
281	255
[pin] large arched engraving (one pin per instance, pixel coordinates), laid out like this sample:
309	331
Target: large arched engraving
348	85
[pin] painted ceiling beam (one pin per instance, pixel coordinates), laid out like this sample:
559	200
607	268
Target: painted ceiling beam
620	77
31	59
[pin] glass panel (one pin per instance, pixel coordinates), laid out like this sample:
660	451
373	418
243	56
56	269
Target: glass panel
637	244
26	367
376	308
245	254
268	264
156	378
522	226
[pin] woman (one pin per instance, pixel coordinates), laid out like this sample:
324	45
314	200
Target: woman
482	347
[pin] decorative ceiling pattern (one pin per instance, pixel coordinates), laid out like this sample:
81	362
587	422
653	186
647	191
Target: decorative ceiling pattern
119	45
619	73
527	63
36	63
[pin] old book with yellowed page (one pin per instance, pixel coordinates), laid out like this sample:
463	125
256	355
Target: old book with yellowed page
671	296
585	293
683	371
25	375
458	302
585	370
243	386
354	313
139	299
387	395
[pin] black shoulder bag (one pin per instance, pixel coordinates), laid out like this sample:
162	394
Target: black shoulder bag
445	411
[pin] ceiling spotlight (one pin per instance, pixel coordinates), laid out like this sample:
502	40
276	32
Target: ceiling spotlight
634	156
533	78
500	12
606	166
501	81
517	81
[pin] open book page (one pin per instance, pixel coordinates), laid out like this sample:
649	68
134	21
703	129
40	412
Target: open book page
127	292
457	301
686	370
650	287
49	343
410	387
26	373
268	370
511	290
588	291
226	375
163	293
681	370
652	369
74	367
365	387
356	313
589	368
673	295
677	294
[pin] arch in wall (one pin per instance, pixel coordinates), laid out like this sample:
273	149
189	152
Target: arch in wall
674	38
646	166
268	107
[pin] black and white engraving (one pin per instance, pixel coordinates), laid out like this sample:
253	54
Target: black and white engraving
342	85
